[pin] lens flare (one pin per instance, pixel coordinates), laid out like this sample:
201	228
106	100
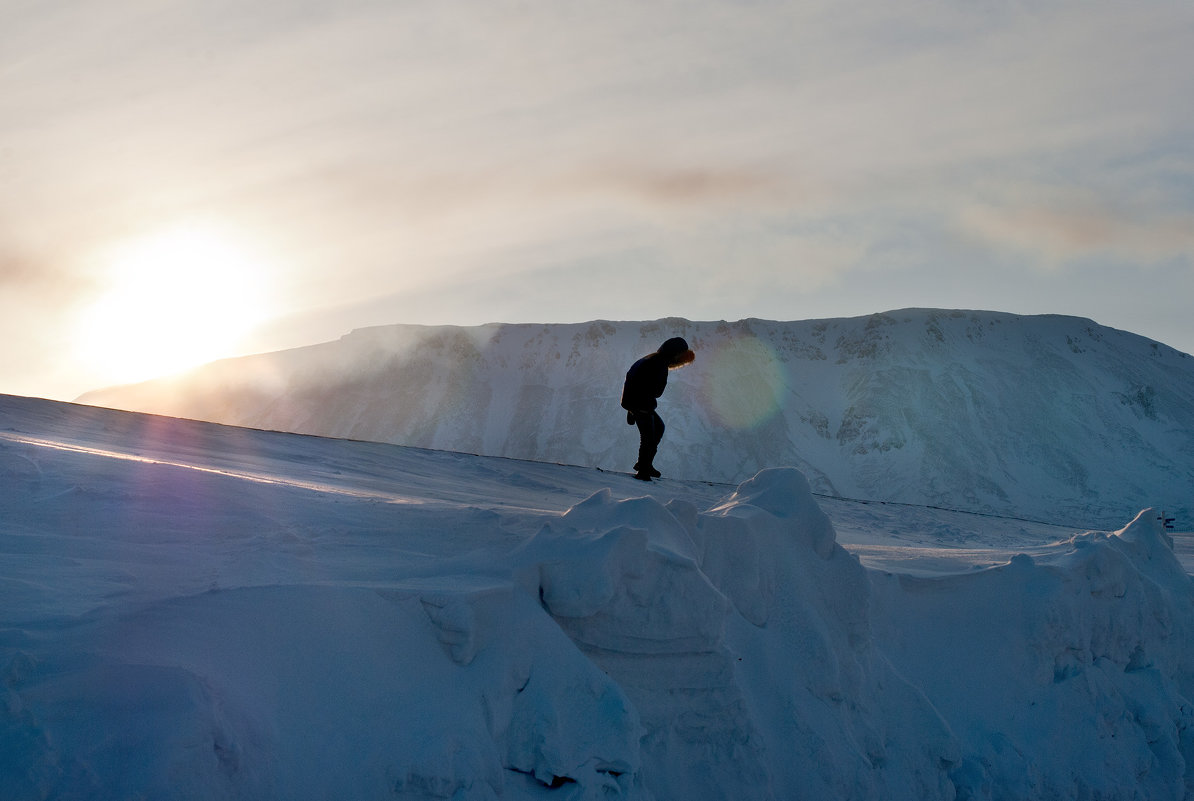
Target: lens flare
744	382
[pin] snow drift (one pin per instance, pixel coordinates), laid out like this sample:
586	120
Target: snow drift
193	611
1047	417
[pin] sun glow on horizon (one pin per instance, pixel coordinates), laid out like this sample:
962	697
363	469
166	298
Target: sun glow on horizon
171	301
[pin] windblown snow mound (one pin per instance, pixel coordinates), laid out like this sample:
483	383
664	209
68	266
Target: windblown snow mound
628	649
1069	678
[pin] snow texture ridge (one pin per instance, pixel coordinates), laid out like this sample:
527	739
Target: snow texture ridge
1046	417
1092	650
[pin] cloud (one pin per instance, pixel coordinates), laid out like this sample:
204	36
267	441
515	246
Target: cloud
18	270
709	186
1128	218
1061	234
35	276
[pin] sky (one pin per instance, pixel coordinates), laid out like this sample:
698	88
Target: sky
186	181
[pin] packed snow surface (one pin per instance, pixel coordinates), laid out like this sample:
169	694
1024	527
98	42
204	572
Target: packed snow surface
1046	416
192	611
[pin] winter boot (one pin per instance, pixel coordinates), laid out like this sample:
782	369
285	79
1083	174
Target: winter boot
649	470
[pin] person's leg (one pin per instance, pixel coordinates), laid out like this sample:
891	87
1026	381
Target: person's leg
650	430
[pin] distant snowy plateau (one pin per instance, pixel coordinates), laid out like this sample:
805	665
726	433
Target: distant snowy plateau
1047	417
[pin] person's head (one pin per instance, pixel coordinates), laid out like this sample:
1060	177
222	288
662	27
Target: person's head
676	352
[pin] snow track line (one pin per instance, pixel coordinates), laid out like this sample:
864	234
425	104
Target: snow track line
863	501
991	515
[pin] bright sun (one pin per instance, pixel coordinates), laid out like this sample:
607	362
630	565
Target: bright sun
173	300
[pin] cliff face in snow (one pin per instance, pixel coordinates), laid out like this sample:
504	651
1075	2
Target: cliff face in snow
1046	416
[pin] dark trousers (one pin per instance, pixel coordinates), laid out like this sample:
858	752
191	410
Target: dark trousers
650	432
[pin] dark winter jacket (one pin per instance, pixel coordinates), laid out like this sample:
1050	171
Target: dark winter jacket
647	378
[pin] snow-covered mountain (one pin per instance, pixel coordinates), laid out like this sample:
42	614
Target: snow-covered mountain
193	611
1046	417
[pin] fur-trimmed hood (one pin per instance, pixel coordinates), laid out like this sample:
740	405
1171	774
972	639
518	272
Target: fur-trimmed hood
682	359
676	352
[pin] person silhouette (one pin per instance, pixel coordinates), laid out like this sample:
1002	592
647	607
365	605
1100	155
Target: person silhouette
645	382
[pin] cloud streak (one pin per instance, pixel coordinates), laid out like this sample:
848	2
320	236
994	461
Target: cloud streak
1061	233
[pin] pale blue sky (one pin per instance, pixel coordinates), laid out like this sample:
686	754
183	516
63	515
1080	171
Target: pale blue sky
365	163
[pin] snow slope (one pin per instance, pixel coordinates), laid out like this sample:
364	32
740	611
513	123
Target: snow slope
1046	417
199	611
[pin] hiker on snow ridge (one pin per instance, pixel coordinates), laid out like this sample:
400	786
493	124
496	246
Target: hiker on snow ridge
645	381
